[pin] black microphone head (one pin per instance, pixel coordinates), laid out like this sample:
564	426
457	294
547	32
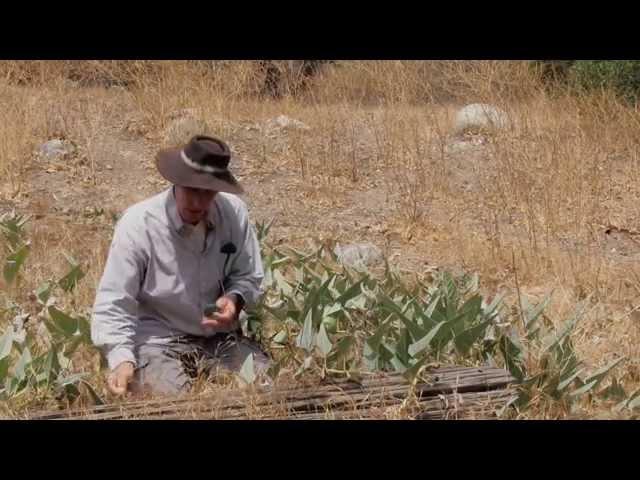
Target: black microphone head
228	249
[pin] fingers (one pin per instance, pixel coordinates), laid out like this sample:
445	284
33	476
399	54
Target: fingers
218	320
225	316
116	385
224	305
118	380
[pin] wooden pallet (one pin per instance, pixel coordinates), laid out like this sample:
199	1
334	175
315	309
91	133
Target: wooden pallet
450	392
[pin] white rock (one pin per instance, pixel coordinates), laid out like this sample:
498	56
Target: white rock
55	148
283	122
480	116
359	255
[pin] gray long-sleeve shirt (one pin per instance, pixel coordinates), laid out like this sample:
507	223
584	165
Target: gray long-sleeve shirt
156	282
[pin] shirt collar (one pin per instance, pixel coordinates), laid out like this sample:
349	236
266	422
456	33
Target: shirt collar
176	220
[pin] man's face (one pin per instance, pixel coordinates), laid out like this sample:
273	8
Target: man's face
193	203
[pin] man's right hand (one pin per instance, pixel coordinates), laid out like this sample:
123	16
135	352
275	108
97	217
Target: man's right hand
119	378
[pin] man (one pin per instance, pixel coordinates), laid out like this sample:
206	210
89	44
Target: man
181	268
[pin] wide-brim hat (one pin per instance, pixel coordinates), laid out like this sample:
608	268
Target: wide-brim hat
201	163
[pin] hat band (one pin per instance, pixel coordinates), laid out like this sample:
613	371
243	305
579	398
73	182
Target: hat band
199	167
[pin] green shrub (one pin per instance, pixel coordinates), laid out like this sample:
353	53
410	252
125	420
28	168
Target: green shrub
622	76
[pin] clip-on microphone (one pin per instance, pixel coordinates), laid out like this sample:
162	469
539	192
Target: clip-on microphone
227	249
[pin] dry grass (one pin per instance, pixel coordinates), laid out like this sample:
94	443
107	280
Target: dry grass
542	192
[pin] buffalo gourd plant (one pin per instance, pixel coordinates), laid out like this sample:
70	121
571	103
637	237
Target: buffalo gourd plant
36	350
326	317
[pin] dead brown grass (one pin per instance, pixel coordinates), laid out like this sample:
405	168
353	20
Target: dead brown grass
543	191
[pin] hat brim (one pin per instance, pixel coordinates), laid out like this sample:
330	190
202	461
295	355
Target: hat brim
172	168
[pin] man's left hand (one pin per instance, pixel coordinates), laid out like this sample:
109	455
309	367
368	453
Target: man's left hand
225	317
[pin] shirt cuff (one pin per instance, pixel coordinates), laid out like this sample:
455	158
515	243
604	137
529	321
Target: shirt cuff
119	355
240	303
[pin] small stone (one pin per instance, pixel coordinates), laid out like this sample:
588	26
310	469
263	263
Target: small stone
359	256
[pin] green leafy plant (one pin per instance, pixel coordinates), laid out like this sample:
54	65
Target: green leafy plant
36	350
327	318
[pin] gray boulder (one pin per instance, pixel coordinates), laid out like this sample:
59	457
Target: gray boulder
479	117
359	255
55	148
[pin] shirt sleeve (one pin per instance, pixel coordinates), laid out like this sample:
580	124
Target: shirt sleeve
115	309
246	272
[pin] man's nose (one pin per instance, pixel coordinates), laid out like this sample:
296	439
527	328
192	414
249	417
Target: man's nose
199	202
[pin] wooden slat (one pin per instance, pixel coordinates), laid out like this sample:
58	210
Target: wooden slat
341	395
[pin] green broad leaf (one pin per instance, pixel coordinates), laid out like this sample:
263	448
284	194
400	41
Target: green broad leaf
313	302
634	397
398	365
433	303
387	352
512	355
72	379
352	292
97	400
14	262
402	347
584	389
22	365
84	328
342	348
634	400
600	374
6	343
65	324
470	310
71	279
375	340
247	371
465	339
71	346
268	278
43	292
510	403
280	261
4	369
12	228
492	309
615	391
305	339
281	283
473	284
371	358
569	380
322	341
390	306
14	385
412	372
554	339
281	337
330	324
46	365
531	314
357	303
274	369
424	342
306	365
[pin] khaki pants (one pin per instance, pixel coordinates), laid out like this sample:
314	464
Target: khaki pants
169	369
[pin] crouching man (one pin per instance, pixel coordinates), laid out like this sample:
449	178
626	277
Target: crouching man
181	268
